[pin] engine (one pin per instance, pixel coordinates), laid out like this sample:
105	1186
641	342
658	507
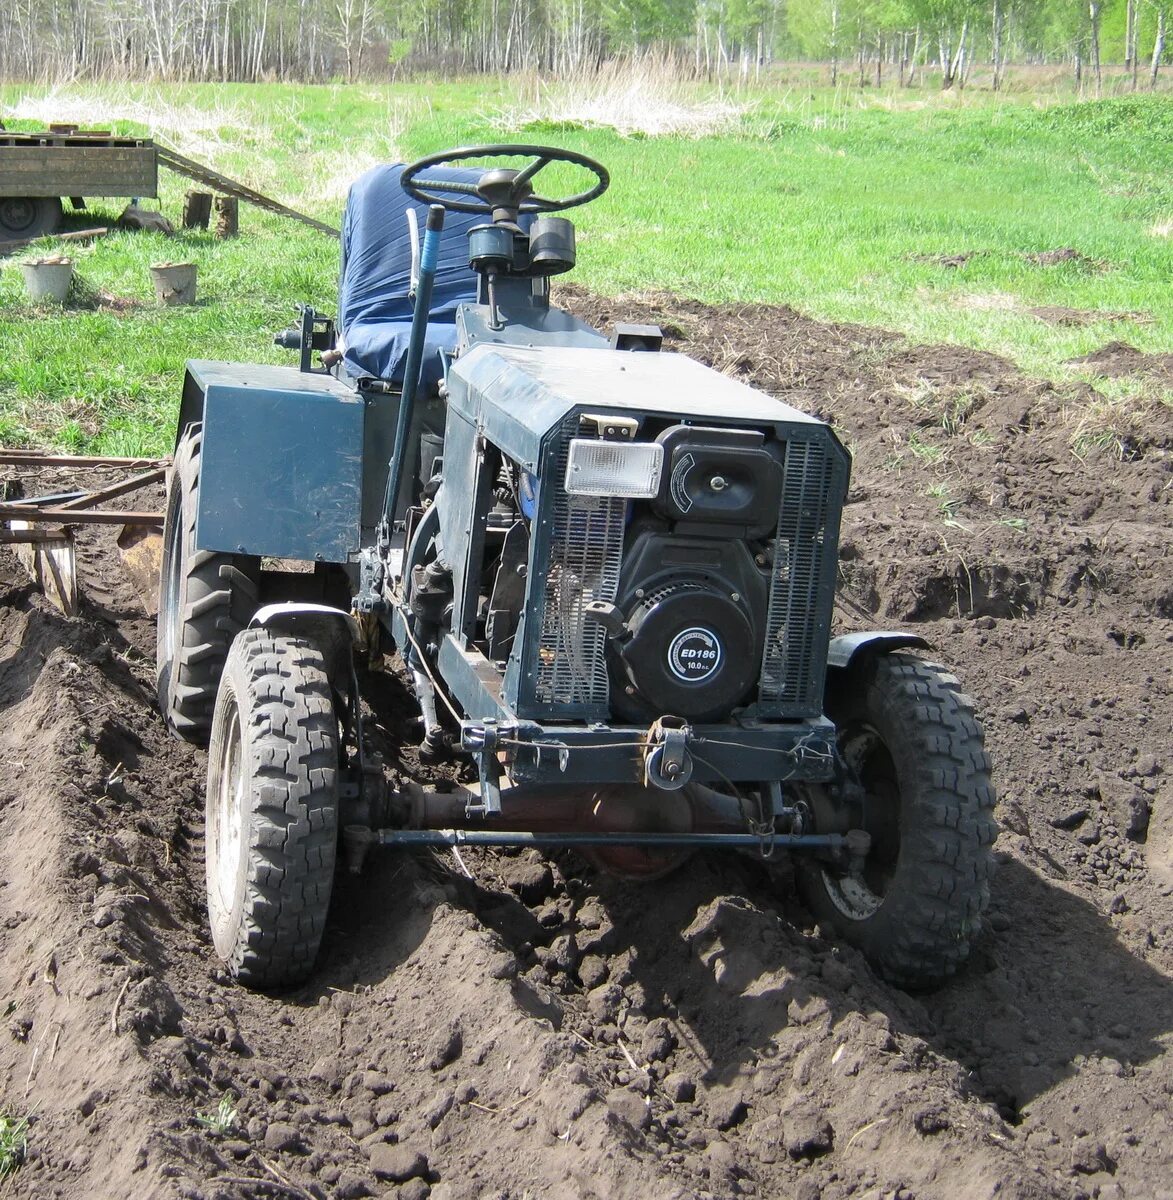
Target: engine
656	539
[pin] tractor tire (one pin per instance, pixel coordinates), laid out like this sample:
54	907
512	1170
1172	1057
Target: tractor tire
205	599
910	737
28	216
271	833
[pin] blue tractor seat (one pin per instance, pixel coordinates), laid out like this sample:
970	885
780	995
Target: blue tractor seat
374	309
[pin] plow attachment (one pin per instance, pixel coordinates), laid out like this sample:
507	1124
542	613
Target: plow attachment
41	529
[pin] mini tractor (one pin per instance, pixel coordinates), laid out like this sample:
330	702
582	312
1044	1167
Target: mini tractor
608	571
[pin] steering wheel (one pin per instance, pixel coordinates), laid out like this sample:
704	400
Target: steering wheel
501	191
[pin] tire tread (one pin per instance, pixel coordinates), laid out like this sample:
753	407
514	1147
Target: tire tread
292	747
925	928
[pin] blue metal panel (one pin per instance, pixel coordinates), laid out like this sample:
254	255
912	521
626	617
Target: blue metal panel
282	463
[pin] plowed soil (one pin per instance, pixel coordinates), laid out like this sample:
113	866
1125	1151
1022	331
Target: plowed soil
514	1026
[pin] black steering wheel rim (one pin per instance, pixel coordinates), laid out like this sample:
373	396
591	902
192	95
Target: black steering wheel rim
431	191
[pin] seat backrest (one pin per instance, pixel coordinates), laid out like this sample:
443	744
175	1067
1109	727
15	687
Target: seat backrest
374	308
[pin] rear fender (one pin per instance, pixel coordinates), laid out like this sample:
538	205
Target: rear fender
282	461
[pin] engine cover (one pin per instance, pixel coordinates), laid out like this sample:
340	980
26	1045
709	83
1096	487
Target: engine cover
694	611
691	652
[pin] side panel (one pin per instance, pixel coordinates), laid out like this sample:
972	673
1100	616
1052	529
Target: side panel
462	519
77	170
281	472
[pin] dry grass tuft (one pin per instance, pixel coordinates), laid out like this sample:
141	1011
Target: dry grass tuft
645	98
1125	420
184	127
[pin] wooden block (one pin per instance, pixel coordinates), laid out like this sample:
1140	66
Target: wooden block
227	216
197	210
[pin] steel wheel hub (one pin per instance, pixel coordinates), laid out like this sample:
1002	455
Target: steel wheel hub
860	896
17	213
226	833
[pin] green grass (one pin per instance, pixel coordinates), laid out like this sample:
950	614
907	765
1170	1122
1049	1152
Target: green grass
833	202
13	1140
222	1121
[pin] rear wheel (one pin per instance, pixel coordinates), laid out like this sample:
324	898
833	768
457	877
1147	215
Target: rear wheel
205	599
28	216
915	748
271	809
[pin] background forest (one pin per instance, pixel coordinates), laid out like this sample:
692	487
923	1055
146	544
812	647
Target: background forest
870	41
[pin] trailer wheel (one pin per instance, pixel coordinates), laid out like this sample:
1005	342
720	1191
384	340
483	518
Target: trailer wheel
271	808
911	739
205	599
29	216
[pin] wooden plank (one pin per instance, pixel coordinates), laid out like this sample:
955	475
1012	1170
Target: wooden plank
78	171
52	566
21	531
73	139
231	187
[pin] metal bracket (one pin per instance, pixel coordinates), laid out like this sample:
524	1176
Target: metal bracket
371	574
314	331
482	739
668	764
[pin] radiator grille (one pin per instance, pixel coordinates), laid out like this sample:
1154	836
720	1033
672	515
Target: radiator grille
795	622
586	554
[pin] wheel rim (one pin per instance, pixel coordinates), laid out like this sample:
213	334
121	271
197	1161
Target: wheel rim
169	601
226	818
859	897
17	213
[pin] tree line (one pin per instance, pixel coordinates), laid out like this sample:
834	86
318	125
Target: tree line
862	41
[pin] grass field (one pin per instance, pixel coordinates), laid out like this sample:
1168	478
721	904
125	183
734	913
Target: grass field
910	210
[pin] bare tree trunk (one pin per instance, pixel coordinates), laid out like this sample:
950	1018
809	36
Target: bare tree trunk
1093	9
996	37
956	70
834	45
1158	47
1135	55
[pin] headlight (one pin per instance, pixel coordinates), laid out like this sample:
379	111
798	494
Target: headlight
626	469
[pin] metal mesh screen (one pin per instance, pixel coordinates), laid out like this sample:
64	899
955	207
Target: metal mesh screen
792	619
586	554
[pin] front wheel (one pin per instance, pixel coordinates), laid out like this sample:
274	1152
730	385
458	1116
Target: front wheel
916	752
271	808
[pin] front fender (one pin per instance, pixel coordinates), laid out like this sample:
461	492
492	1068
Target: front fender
335	632
846	648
